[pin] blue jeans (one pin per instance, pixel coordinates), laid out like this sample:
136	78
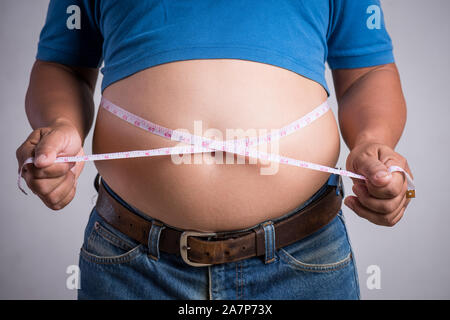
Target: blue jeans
320	266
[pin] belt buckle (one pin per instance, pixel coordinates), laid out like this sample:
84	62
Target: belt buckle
184	247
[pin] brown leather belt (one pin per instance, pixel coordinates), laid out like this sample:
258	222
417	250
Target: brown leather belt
201	249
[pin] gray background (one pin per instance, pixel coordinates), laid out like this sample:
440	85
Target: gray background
37	244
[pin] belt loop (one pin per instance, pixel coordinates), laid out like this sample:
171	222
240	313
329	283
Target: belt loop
269	242
336	180
153	239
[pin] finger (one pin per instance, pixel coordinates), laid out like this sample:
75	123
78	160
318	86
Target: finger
57	195
374	170
358	181
396	184
382	206
77	168
64	202
53	171
374	217
50	145
26	149
26	175
389	190
44	186
399	216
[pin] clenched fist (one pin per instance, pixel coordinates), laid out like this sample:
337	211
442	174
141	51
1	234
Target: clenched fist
54	183
381	198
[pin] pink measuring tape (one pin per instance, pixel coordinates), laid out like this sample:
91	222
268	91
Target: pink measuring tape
199	144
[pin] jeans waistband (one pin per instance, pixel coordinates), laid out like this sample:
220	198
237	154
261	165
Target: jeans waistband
333	180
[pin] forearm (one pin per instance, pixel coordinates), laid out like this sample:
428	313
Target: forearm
57	93
372	108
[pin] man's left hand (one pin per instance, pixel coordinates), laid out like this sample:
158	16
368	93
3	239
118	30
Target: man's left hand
381	198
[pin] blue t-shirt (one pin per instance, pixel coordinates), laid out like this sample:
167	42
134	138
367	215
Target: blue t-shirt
298	35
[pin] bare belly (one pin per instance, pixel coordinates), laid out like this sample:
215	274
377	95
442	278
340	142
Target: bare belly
223	94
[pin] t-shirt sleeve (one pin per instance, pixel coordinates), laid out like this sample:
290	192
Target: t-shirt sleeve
71	35
358	37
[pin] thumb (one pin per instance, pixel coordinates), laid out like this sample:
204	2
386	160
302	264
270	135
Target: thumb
375	171
48	147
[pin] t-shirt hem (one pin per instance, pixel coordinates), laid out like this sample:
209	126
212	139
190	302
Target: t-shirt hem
118	72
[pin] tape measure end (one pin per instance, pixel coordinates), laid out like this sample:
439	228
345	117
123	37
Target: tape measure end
410	193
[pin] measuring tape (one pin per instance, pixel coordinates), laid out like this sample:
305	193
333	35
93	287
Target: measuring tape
199	144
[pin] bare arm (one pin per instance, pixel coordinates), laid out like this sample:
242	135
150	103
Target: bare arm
59	105
371	105
372	116
60	93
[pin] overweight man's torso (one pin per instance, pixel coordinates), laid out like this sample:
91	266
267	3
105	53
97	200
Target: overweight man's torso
223	94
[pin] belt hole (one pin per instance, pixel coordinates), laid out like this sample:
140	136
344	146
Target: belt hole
243	248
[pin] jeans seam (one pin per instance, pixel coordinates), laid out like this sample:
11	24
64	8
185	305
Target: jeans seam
89	238
111	238
317	267
123	258
355	271
239	281
242	281
210	283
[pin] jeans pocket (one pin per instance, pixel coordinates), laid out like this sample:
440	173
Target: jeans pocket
327	249
106	245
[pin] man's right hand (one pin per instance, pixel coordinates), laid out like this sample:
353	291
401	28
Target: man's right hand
54	183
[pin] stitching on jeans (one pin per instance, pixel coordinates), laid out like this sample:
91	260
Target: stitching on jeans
355	271
317	268
126	257
210	283
112	238
237	283
89	238
130	254
242	282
